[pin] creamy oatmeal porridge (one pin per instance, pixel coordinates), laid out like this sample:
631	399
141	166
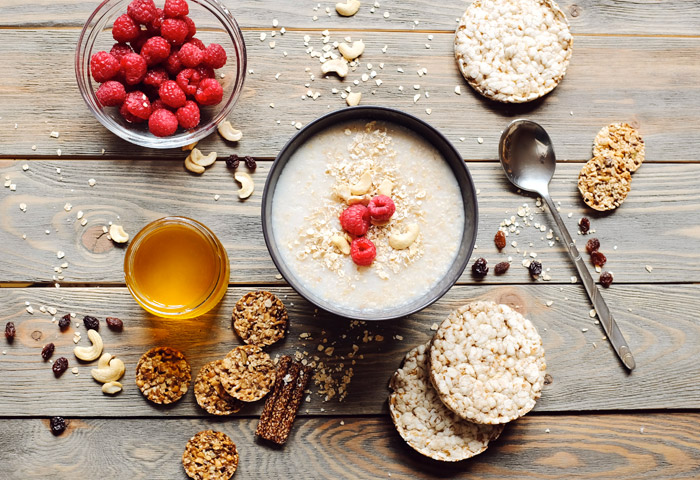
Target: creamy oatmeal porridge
328	173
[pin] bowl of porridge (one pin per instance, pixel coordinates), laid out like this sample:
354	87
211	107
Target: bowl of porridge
370	213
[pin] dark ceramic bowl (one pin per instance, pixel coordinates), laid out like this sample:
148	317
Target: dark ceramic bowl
421	129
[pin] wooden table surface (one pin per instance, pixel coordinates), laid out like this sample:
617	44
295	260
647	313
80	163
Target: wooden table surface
633	61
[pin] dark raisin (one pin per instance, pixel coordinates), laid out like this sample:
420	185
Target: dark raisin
64	322
115	324
48	351
60	366
479	269
250	163
606	279
91	323
500	240
592	245
535	268
233	161
598	258
501	268
10	331
58	425
584	225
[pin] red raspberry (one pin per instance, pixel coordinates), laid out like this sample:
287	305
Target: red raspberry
173	64
142	11
174	30
153	28
214	56
191	29
171	94
162	123
155	50
134	67
111	94
176	8
157	104
128	116
138	104
381	208
104	66
197	42
125	29
355	220
205	72
119	50
209	92
190	55
140	41
363	251
188	80
188	115
155	77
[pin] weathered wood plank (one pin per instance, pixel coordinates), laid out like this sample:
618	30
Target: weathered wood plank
657	91
659	322
658	446
585	16
658	225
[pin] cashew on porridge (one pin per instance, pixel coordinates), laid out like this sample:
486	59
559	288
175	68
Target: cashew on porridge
367	216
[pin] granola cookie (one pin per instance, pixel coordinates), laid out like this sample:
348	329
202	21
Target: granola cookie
260	318
210	455
210	394
621	142
604	183
248	373
163	375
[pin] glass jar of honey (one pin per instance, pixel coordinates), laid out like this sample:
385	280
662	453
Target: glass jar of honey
175	267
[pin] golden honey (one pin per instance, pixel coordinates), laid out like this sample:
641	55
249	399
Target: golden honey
176	268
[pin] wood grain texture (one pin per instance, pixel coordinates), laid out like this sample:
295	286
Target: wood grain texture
647	81
658	225
624	447
660	323
585	16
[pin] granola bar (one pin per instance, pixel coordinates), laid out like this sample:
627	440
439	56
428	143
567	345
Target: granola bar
248	373
260	318
210	455
210	394
163	375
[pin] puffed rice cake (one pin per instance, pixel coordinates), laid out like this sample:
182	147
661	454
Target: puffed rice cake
260	318
209	392
622	142
604	183
507	67
425	423
163	375
487	363
248	373
210	455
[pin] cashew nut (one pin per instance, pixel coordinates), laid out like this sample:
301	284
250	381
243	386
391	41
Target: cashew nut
355	199
247	185
399	241
193	167
347	9
338	65
362	187
117	234
202	160
353	98
190	146
342	191
385	187
341	244
109	369
351	52
227	131
92	352
112	388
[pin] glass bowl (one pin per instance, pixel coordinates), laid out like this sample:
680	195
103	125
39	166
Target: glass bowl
215	24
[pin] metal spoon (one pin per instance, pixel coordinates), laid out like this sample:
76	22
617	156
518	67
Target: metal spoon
527	157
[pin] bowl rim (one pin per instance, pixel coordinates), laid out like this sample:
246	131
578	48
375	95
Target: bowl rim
449	153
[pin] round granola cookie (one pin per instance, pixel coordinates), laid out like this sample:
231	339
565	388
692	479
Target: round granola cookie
260	318
210	455
425	423
163	375
622	142
604	183
513	51
487	363
210	394
248	373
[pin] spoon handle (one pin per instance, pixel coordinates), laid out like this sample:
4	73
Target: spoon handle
606	319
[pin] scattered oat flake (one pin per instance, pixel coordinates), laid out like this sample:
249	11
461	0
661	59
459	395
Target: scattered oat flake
23	207
54	134
75	370
67	207
58	152
434	327
649	268
592	313
60	254
480	140
30	310
25	167
92	182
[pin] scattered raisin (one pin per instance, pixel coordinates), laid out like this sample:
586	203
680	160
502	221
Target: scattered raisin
10	331
233	161
479	269
606	279
60	366
115	324
598	258
592	245
535	268
64	322
501	268
250	163
500	240
48	351
58	425
584	225
91	323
